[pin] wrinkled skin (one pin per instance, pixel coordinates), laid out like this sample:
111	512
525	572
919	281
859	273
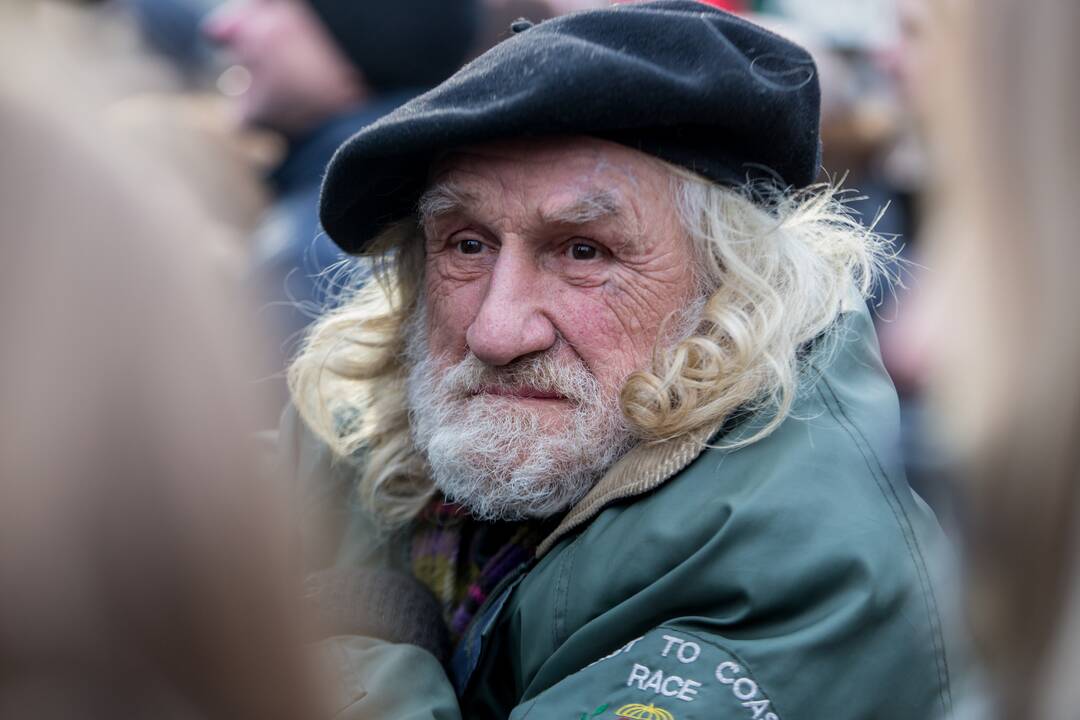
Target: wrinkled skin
520	265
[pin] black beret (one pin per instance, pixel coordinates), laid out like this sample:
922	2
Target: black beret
676	79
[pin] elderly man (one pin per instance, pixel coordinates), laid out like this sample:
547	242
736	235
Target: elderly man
610	436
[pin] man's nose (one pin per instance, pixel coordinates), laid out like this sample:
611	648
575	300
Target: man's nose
221	23
511	321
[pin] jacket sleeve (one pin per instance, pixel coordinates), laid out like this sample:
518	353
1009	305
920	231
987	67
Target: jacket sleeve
669	673
367	678
376	680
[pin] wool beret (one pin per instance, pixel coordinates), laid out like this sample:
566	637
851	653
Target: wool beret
402	43
677	79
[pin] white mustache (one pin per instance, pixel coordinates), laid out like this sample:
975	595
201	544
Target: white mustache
541	373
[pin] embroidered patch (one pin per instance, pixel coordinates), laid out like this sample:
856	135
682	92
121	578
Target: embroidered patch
637	711
666	674
745	690
650	670
595	713
661	684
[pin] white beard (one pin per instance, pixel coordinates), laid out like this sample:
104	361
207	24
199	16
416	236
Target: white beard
494	455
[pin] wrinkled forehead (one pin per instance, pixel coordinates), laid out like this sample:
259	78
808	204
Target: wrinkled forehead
573	179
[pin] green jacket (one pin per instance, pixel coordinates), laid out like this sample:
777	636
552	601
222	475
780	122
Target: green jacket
790	579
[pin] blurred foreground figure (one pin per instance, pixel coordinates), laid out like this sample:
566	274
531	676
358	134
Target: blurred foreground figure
317	71
144	567
1007	111
611	413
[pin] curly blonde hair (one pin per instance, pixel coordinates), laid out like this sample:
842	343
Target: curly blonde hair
775	269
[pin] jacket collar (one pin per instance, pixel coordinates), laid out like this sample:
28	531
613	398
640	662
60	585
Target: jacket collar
644	468
649	465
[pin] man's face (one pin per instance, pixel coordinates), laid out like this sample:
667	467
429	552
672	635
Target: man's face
298	75
551	268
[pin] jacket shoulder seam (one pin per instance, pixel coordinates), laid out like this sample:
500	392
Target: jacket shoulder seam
562	594
877	470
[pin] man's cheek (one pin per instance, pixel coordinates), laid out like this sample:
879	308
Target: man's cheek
611	335
451	308
641	310
600	339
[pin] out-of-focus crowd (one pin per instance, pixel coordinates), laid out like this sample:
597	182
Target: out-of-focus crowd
159	184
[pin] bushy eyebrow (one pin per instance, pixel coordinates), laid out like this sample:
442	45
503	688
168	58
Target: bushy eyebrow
596	205
447	196
592	206
441	198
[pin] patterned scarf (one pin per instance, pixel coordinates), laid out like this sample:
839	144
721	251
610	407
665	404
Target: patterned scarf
462	560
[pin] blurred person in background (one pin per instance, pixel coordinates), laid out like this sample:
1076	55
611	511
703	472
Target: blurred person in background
143	558
902	175
317	71
156	87
1005	108
567	6
173	29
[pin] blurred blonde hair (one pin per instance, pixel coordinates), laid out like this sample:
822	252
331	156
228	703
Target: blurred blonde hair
143	554
1005	106
774	268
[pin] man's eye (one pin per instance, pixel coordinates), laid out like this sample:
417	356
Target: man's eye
470	246
583	251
